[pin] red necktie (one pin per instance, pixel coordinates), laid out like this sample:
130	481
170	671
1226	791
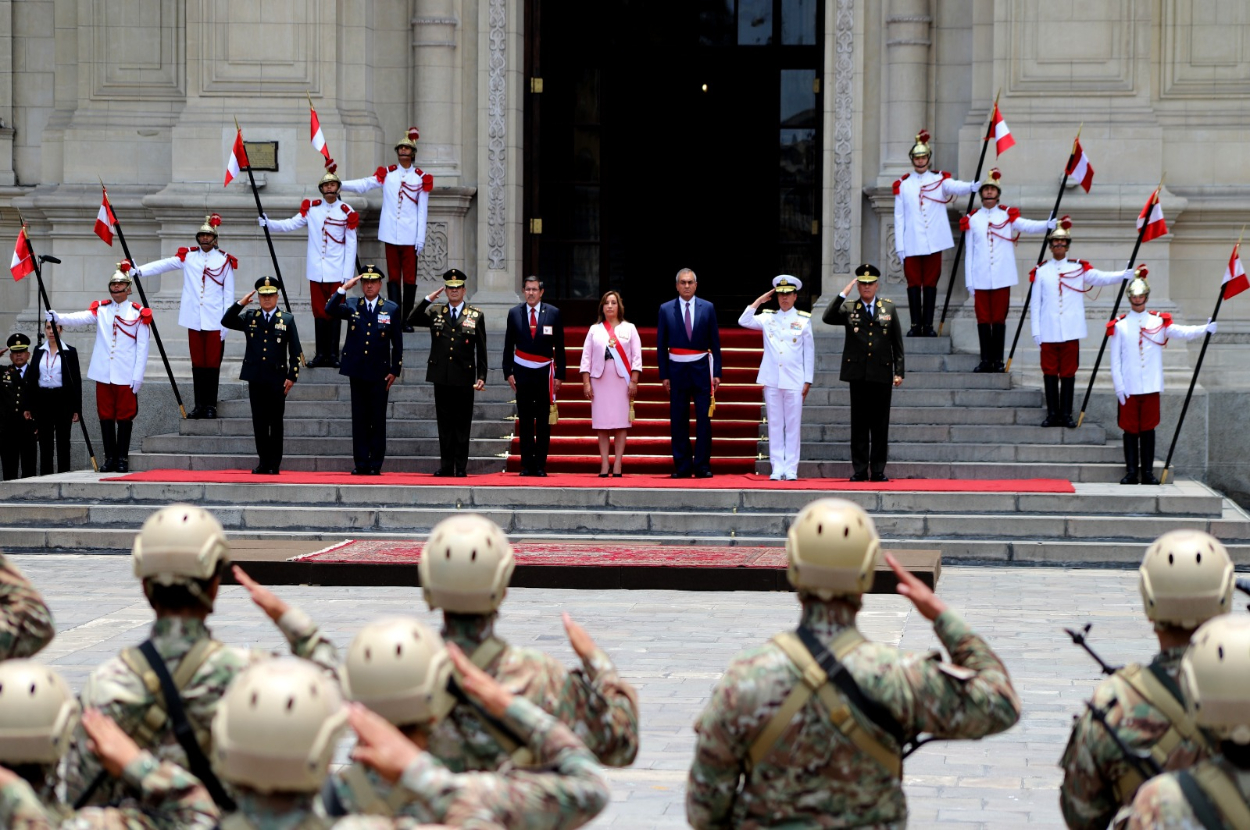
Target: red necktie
533	322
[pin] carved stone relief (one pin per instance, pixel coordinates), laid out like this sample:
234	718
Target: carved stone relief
497	137
1047	53
843	138
432	263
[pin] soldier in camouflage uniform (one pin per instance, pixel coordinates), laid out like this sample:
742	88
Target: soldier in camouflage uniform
25	621
400	670
38	714
180	555
465	569
790	739
1215	793
1186	578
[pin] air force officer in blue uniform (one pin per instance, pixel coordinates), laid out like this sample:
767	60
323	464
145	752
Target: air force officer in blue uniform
688	356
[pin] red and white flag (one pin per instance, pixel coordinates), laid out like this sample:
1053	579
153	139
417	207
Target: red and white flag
1235	280
318	137
23	263
1079	167
237	160
105	220
1002	133
1152	217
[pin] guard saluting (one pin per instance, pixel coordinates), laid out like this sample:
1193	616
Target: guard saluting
270	366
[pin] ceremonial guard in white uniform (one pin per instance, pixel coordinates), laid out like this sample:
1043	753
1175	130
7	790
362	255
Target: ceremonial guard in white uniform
1136	341
117	363
331	259
1057	316
786	371
990	236
405	203
207	291
922	230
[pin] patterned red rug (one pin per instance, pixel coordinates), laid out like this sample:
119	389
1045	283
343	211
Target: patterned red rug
560	554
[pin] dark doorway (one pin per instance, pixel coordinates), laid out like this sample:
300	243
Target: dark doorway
671	134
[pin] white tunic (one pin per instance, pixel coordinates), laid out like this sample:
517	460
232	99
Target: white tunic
1057	313
921	225
331	238
789	349
990	260
121	341
1136	345
405	202
207	285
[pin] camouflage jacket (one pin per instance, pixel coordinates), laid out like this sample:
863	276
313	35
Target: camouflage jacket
170	798
1160	803
1094	768
25	621
297	812
814	777
600	707
121	694
566	791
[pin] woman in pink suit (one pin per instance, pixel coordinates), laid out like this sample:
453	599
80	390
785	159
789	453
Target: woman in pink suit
611	366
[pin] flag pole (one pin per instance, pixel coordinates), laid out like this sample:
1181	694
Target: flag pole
56	334
1041	255
1132	260
959	249
1193	381
169	372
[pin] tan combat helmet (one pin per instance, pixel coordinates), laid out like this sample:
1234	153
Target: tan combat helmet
466	565
277	727
1187	578
921	147
180	545
1215	677
38	714
1137	286
399	668
832	547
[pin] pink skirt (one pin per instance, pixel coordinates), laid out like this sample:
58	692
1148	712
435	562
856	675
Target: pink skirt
610	407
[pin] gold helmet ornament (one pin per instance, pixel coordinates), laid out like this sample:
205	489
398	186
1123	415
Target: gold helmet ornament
466	565
1063	230
921	147
409	141
1186	578
331	175
38	714
211	223
122	274
1137	286
832	548
994	180
180	545
399	668
1215	677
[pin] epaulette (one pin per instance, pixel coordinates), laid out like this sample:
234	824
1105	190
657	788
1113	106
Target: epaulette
145	314
427	182
316	202
1111	324
182	253
899	182
805	314
346	207
1033	273
1085	266
944	174
1012	214
965	222
304	206
380	173
769	311
232	259
1166	317
392	168
95	305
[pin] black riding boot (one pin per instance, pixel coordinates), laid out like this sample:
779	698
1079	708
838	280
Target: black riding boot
998	342
108	440
1130	458
1148	458
928	306
123	445
1067	387
410	297
1051	382
197	385
983	335
319	336
917	314
212	377
334	332
394	293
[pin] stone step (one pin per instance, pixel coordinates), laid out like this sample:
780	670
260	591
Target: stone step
964	470
967	452
960	434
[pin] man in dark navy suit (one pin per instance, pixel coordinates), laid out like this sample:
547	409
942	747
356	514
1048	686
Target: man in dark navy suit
534	364
373	357
688	355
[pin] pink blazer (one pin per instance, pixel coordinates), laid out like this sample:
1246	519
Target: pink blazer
596	343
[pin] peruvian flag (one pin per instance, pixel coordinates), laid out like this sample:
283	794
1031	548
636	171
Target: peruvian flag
1079	167
1152	217
105	220
1235	280
1002	133
23	263
318	137
237	160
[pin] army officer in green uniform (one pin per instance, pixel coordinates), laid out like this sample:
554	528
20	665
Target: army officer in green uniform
872	362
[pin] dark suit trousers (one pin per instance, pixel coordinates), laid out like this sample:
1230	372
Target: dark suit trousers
268	408
369	398
55	421
19	447
533	404
453	407
870	419
687	381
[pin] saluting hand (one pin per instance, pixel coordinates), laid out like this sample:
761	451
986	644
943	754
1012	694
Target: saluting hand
927	603
265	599
846	292
247	298
581	642
763	298
435	294
350	284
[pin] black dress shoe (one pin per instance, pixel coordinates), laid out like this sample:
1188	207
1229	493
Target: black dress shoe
376	471
617	475
408	329
680	475
703	474
541	473
526	473
461	474
604	475
860	477
318	361
273	471
359	471
210	413
109	465
260	471
881	477
930	332
123	466
443	472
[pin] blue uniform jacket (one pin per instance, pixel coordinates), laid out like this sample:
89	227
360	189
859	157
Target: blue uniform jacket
671	333
374	347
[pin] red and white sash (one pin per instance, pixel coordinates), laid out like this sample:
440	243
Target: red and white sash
533	361
623	367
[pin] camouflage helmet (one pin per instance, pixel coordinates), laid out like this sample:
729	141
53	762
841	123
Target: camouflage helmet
38	713
1137	286
1215	677
180	544
399	668
277	727
1186	578
466	565
832	547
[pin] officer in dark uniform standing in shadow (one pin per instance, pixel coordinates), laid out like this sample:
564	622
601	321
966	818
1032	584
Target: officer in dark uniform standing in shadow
270	366
872	362
19	445
457	368
373	357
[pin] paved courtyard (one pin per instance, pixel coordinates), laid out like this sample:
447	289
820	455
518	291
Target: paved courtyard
672	645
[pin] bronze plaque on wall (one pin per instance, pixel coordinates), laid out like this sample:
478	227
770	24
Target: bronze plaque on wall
262	155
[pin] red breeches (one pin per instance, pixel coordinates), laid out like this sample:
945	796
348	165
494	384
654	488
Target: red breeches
115	402
401	264
1140	413
923	271
992	304
1060	358
206	349
319	293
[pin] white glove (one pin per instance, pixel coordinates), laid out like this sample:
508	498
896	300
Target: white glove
1037	340
1121	397
223	335
1211	326
976	186
135	272
1053	223
418	249
972	292
263	220
50	316
134	386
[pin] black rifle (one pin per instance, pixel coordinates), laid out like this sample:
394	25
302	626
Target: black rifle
1081	638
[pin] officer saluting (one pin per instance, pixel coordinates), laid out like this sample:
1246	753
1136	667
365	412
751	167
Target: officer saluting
872	362
270	366
457	368
373	357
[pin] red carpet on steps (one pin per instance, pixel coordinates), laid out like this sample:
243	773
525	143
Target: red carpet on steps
719	482
557	554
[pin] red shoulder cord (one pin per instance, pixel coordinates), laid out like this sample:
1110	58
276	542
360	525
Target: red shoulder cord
927	189
337	223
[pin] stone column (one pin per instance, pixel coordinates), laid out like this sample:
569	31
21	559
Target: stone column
437	83
907	66
7	176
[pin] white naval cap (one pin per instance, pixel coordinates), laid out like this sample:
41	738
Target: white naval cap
786	284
